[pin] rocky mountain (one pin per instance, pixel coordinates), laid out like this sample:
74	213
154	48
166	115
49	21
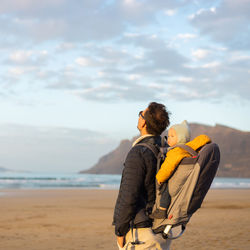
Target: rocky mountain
234	146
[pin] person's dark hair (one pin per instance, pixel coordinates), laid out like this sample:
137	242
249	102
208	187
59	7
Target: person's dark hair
156	118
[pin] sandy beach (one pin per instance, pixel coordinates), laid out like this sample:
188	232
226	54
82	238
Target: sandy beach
81	219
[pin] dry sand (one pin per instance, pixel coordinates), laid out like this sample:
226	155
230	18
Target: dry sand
81	219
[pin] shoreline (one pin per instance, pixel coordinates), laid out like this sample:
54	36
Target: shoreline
4	192
89	182
72	219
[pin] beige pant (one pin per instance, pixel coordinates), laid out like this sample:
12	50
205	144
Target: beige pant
148	239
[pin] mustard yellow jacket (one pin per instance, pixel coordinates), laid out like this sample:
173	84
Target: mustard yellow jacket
175	155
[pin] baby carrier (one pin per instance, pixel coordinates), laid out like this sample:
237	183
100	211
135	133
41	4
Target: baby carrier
187	186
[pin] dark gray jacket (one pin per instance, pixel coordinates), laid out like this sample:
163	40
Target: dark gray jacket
137	188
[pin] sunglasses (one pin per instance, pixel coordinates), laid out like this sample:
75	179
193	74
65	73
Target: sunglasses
140	114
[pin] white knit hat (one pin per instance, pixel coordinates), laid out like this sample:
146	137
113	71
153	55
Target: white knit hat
182	131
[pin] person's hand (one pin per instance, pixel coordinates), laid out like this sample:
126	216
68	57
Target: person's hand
159	183
121	241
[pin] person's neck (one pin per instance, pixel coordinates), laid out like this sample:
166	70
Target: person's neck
144	131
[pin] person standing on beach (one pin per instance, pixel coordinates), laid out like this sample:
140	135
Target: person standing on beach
137	189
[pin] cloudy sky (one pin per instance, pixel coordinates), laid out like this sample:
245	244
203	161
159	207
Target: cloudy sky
77	72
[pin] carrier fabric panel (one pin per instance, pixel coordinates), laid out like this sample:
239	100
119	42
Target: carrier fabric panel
181	186
209	159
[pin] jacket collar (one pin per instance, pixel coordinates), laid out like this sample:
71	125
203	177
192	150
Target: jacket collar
149	138
140	139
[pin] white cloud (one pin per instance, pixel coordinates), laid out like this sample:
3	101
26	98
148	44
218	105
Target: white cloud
131	34
139	56
200	53
44	52
27	5
81	21
20	56
134	77
228	23
153	36
16	71
129	2
162	71
202	11
155	86
101	73
19	71
170	12
213	64
222	49
83	61
185	79
123	92
65	46
213	9
238	56
186	36
28	57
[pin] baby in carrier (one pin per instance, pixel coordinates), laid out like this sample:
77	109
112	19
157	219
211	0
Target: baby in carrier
177	134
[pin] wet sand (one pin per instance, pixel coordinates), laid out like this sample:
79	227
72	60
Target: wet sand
81	219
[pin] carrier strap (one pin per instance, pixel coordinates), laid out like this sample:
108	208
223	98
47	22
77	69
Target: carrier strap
134	241
152	147
188	149
159	152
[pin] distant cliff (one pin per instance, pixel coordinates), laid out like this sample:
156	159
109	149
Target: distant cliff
2	169
234	146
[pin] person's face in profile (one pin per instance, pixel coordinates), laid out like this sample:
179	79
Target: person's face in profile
172	137
141	120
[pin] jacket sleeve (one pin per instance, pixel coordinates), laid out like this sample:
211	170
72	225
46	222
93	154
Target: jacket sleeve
131	189
173	158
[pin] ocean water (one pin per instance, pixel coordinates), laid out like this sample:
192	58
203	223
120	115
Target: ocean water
11	180
55	181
